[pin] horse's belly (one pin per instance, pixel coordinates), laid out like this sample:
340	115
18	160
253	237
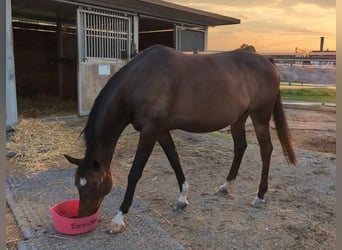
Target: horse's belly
208	110
202	128
201	123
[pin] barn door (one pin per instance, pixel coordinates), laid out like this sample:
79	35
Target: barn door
104	46
191	38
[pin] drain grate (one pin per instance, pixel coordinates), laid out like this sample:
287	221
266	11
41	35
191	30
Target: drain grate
30	198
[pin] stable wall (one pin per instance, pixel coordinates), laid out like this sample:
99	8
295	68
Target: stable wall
93	77
36	63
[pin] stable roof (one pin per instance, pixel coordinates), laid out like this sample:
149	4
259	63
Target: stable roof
64	10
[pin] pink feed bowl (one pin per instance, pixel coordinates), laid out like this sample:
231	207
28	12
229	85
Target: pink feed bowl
65	219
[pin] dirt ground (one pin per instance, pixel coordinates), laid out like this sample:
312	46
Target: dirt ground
299	212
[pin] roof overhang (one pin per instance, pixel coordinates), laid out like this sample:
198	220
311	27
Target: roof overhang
163	9
64	10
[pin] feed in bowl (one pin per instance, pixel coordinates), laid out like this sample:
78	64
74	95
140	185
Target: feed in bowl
65	218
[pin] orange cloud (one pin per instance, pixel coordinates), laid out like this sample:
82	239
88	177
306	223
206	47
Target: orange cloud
271	25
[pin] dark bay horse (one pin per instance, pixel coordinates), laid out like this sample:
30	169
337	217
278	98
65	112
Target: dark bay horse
162	90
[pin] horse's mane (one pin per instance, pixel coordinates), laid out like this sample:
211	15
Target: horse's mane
89	131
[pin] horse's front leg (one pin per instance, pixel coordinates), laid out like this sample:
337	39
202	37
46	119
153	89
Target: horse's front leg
182	201
166	142
145	147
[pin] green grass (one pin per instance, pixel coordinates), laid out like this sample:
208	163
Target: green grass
314	94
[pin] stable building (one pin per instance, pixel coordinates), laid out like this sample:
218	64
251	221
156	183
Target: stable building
69	48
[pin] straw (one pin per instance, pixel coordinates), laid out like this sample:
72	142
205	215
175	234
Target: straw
41	146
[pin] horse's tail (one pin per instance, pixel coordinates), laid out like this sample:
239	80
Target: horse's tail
283	131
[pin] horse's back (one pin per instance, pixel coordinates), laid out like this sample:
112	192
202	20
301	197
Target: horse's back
197	92
239	68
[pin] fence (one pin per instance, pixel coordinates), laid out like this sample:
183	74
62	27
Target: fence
320	71
308	74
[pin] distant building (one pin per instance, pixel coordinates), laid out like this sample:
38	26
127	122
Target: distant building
315	57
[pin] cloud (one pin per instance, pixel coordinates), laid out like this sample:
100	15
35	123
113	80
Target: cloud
269	24
319	3
257	3
295	17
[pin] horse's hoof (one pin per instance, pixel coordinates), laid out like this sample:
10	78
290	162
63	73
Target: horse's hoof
222	190
257	203
116	228
225	189
180	206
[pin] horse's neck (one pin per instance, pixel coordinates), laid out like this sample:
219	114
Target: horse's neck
104	142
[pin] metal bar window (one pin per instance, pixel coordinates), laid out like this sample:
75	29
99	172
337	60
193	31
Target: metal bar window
106	34
190	38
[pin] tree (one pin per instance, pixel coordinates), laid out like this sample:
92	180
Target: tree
248	47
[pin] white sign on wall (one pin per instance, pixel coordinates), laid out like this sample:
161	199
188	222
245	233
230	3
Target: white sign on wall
104	69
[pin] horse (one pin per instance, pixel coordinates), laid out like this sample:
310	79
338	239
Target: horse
161	90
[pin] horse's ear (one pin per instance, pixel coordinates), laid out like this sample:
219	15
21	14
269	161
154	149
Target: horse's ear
73	160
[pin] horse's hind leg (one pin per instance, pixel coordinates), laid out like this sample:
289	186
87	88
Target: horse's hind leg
166	142
240	145
262	130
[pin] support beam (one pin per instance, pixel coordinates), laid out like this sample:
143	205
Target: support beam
11	93
60	54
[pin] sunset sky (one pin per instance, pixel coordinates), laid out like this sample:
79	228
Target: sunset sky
271	25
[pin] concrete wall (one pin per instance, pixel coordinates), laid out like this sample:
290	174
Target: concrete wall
316	75
92	79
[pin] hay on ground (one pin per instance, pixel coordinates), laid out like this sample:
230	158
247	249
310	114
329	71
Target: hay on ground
41	145
41	106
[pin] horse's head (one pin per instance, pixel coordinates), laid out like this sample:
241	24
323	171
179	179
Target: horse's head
93	182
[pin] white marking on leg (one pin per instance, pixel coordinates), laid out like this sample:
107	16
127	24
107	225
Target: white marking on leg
117	224
257	202
183	196
83	182
226	187
118	219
